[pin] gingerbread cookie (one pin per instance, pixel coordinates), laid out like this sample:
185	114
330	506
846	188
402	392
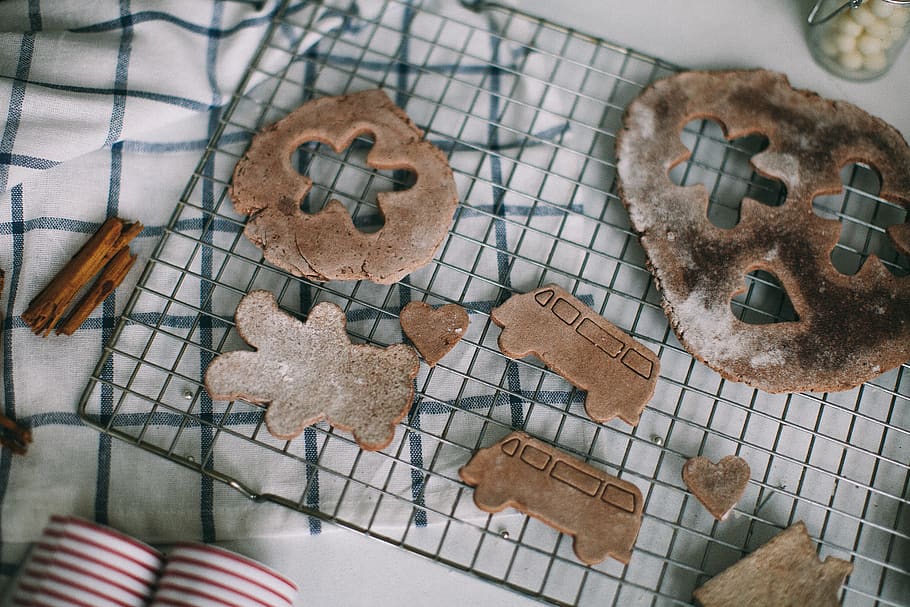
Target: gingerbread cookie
849	328
785	572
326	245
306	372
434	332
619	373
601	511
717	486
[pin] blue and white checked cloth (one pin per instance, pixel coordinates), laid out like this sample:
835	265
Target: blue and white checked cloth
108	106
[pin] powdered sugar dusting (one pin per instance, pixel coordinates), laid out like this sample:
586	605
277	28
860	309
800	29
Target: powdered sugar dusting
711	330
707	327
833	346
783	166
644	122
771	358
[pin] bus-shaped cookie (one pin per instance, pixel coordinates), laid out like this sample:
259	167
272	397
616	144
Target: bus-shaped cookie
618	372
601	511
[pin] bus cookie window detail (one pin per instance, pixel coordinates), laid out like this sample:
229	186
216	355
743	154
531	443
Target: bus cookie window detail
601	511
618	372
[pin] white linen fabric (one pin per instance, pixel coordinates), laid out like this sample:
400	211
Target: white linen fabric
108	107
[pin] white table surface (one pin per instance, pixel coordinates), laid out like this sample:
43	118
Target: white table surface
343	568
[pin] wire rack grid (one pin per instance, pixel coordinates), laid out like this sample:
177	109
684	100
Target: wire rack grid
527	112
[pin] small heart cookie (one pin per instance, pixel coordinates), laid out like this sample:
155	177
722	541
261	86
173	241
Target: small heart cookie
434	331
717	486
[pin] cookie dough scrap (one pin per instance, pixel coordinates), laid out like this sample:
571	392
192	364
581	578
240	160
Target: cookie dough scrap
849	328
618	372
307	372
785	572
326	245
717	486
601	511
434	331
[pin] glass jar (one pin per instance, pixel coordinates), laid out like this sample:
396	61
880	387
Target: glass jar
858	39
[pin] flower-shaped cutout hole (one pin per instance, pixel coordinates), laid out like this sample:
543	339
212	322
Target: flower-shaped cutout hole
763	301
348	178
865	218
723	167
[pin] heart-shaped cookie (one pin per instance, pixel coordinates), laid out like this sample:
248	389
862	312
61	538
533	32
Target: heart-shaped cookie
717	486
434	332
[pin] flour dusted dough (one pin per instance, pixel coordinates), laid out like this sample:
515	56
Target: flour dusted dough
849	328
306	372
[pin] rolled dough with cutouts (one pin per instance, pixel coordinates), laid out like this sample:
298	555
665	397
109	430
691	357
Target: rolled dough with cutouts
849	328
326	245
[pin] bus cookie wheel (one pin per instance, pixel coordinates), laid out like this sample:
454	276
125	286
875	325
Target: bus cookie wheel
592	550
491	496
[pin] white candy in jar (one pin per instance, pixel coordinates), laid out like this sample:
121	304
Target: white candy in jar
881	9
849	27
845	44
863	35
880	29
875	62
870	45
851	60
863	15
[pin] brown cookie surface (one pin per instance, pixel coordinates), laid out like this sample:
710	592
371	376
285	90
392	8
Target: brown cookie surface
326	245
785	572
849	328
717	486
307	372
601	511
618	372
434	331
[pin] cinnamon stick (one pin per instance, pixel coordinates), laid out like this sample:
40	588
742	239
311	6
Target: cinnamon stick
111	277
13	436
128	232
49	306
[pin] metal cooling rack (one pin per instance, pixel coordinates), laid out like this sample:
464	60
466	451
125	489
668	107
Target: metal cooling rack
527	112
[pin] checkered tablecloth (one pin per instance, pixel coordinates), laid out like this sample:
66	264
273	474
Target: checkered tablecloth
108	107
